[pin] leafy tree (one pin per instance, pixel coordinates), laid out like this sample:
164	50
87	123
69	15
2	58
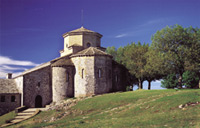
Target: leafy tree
120	55
155	67
193	63
190	79
135	60
176	44
117	54
169	81
112	51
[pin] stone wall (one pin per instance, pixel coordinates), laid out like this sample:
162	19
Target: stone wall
103	74
85	76
8	104
119	77
93	39
38	83
63	82
93	75
19	81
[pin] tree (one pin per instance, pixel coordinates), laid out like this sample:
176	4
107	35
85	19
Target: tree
169	81
112	51
175	43
190	79
135	60
193	63
155	67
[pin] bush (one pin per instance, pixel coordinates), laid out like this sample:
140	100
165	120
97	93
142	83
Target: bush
190	79
170	81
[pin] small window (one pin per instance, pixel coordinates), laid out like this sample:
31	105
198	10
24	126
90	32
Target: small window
99	73
88	45
67	77
38	84
3	98
116	78
109	74
12	98
82	72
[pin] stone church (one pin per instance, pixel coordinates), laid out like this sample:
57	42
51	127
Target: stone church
83	69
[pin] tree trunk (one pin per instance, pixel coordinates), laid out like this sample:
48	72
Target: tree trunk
140	83
199	82
149	85
180	81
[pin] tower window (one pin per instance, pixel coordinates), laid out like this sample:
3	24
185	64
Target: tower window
82	72
99	73
12	98
3	98
88	45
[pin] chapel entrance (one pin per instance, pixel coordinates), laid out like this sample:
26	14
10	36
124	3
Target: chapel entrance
38	101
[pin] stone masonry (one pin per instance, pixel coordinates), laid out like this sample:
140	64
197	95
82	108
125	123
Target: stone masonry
83	69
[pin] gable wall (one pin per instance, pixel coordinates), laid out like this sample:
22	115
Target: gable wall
31	88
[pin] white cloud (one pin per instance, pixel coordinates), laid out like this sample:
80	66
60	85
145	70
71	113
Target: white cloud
121	35
155	21
8	61
8	65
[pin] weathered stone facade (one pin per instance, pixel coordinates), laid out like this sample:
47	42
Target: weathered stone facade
38	83
11	102
10	97
83	69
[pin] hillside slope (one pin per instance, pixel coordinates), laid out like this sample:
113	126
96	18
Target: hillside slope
143	108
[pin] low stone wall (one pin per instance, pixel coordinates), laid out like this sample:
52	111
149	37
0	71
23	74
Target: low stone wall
9	105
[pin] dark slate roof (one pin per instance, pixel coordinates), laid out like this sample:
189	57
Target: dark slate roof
80	31
91	51
8	86
62	62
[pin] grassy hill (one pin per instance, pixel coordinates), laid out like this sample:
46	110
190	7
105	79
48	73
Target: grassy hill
138	109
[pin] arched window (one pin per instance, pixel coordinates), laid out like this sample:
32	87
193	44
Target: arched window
99	73
82	72
109	74
116	78
67	77
88	45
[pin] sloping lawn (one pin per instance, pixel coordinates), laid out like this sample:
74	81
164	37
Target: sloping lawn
138	109
7	117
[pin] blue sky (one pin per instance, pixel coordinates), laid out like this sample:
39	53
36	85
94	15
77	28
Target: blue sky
31	30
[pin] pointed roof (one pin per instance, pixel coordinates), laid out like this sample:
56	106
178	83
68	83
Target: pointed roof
91	51
81	31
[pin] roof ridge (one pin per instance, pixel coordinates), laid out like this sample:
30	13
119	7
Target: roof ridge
93	50
87	50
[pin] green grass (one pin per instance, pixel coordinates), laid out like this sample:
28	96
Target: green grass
138	109
7	117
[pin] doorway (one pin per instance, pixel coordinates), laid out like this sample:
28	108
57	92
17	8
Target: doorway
38	101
